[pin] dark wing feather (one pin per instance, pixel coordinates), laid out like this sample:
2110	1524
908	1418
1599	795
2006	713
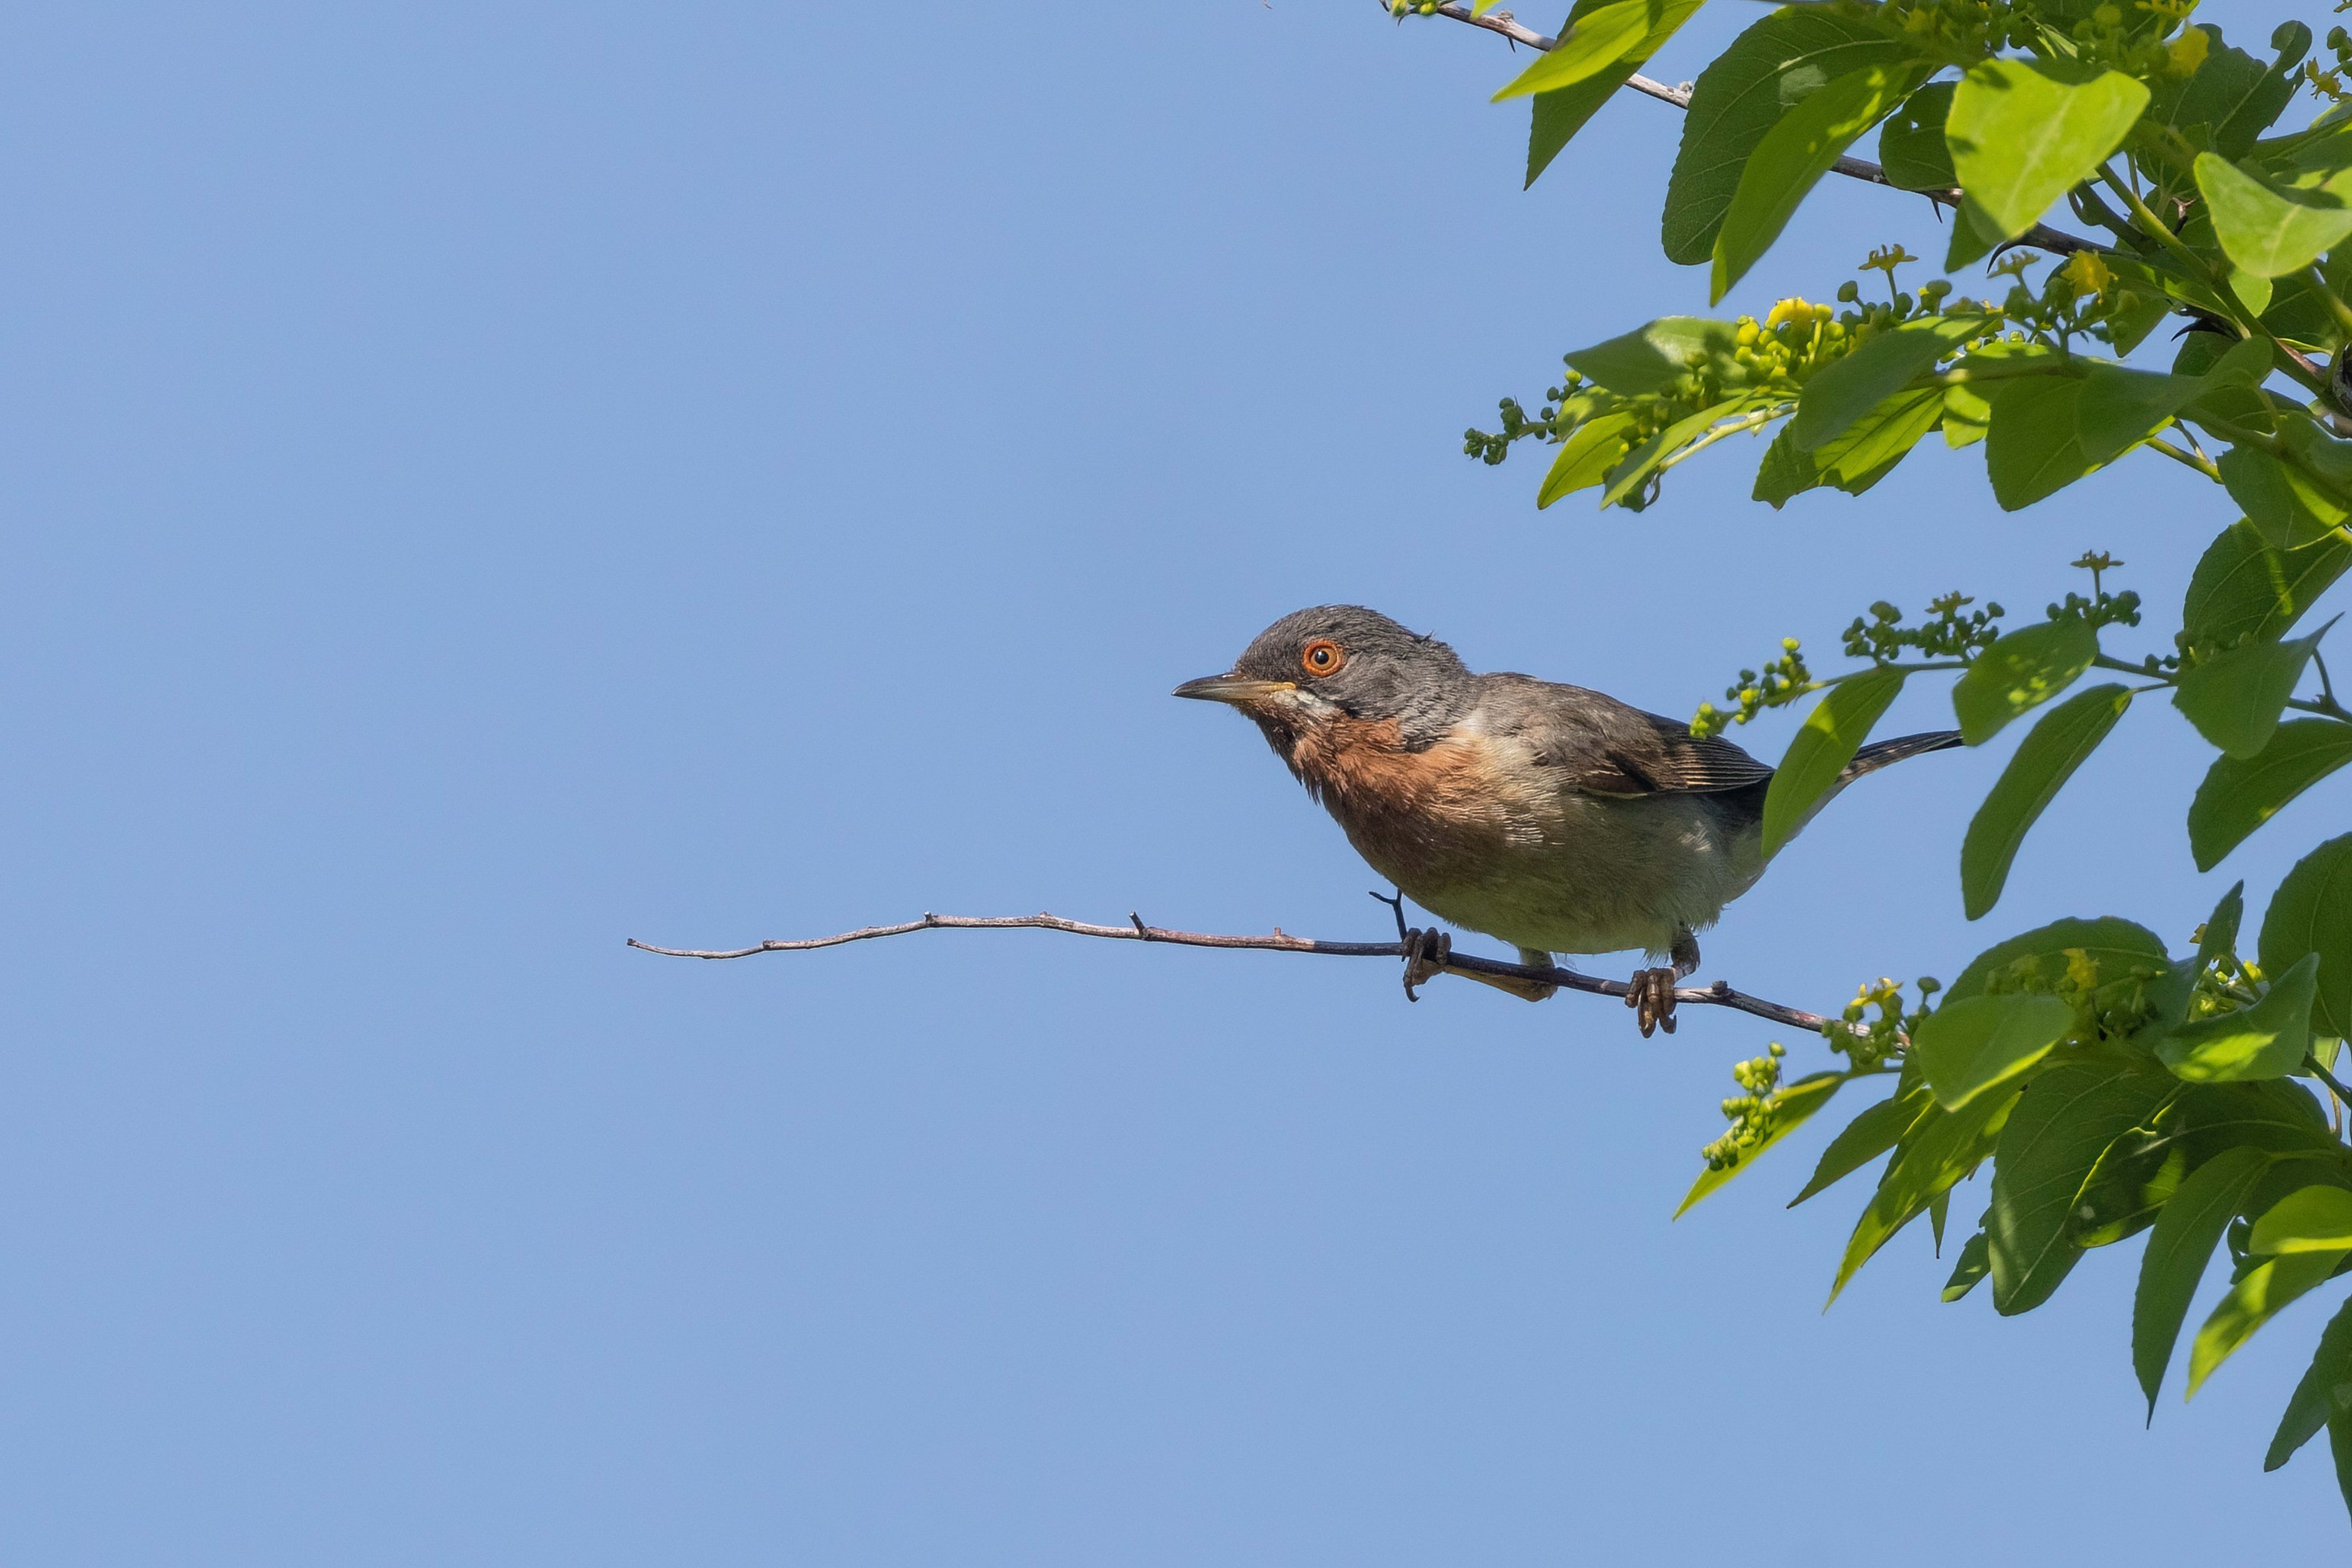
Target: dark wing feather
1603	746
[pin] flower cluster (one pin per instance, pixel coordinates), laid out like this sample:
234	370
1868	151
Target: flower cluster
1868	1042
1780	682
1753	1114
1952	632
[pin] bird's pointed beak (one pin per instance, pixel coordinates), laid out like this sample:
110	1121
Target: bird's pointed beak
1234	689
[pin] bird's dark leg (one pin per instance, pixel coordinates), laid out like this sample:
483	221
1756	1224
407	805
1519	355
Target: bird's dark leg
1651	993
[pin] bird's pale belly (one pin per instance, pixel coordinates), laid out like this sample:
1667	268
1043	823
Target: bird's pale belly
1574	874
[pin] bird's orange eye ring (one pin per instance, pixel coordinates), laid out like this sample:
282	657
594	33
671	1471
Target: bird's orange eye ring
1322	657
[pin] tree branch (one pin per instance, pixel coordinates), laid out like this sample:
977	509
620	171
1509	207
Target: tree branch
2040	236
1716	994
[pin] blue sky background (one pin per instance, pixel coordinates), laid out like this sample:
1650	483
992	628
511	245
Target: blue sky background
488	481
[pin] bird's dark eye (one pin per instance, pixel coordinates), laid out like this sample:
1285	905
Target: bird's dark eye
1322	657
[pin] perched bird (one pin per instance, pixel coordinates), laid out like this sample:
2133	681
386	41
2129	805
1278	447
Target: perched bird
1554	817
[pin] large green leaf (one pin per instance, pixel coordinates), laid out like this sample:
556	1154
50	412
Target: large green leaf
1867	1136
1585	458
2253	1300
1794	156
2267	1039
1940	1148
1599	39
2022	670
1792	1106
2023	135
2178	1252
1833	733
2048	757
1911	144
2235	699
2066	1118
1561	113
1778	62
2238	796
1847	389
1658	357
2315	1218
2311	916
2134	1176
2115	949
2286	506
1969	1046
2048	432
2246	587
1635	469
2269	230
2229	101
2326	1391
2274	1113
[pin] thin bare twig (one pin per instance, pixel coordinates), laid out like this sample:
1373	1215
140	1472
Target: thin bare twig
1718	995
2040	236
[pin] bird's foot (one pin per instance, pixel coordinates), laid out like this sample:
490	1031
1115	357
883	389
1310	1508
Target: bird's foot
1425	953
1651	994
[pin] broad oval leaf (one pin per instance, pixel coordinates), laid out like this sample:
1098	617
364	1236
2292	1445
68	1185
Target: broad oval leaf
2239	795
2066	1120
1911	144
2266	230
1833	733
2308	1220
2311	916
2022	670
1846	390
1658	357
2268	1039
1585	458
1794	156
2253	1301
1599	39
2023	135
2115	949
2246	587
1561	112
2324	1393
1967	1047
1769	69
2235	699
2050	752
2179	1250
2284	505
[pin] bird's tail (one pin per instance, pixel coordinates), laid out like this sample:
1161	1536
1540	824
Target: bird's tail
1879	754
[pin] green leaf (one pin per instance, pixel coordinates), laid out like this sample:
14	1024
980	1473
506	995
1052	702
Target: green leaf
2284	505
1867	1136
1793	155
1791	1107
2246	587
2052	751
1561	113
1600	38
2023	135
2134	1176
1847	389
1585	458
1973	1265
2049	432
2265	1041
2239	795
2115	949
1967	416
1859	457
1942	1147
2311	916
1629	475
2181	1245
2253	1301
2339	1441
2308	1220
2229	102
1657	358
2068	1117
1911	145
1785	472
2235	699
1969	1046
2025	668
2274	1113
1769	69
2325	1393
2267	230
2220	937
1833	733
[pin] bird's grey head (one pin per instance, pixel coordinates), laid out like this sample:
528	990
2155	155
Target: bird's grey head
1334	661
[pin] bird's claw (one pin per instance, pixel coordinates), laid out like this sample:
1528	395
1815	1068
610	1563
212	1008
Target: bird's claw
1425	953
1651	994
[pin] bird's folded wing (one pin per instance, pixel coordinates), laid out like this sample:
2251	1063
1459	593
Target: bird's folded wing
1602	747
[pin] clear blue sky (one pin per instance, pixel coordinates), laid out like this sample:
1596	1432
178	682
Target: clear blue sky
489	480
